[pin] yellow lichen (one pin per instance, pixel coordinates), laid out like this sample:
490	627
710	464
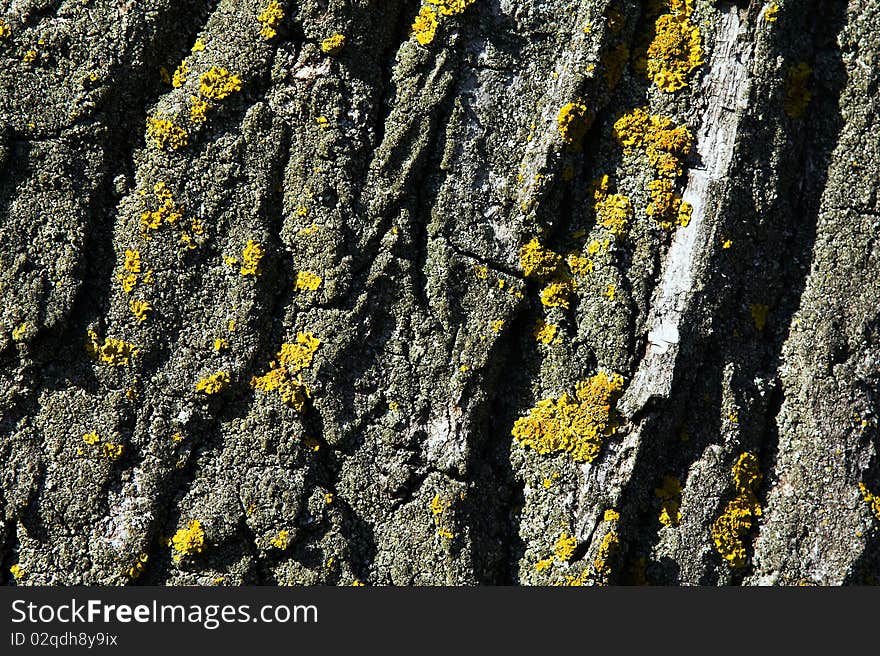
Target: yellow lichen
5	31
797	90
607	548
424	27
198	110
771	14
218	83
565	547
538	261
91	438
663	143
168	211
666	207
250	258
497	325
180	73
140	564
114	352
165	134
198	46
580	266
29	57
573	122
307	281
269	19
576	425
281	541
873	500
18	332
188	541
669	494
610	292
613	212
545	332
451	7
221	344
140	309
112	451
557	293
730	529
333	45
132	261
290	360
544	564
214	383
18	572
675	51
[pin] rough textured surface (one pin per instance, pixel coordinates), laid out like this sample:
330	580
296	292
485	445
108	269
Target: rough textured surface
374	192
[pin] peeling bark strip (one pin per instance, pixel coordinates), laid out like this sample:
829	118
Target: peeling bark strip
723	97
346	293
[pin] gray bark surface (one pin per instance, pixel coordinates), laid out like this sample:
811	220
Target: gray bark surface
408	177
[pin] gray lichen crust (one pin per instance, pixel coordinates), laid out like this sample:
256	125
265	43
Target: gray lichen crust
439	292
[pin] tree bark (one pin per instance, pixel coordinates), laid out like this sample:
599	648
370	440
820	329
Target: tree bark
153	428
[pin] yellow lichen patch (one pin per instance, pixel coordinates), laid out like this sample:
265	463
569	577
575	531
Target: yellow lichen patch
771	14
168	211
669	494
306	281
250	258
613	212
538	261
663	143
198	46
666	207
438	506
132	261
298	356
91	438
557	293
18	572
575	425
424	27
281	541
114	352
165	134
565	547
140	564
759	315
610	292
180	73
270	18
112	451
290	360
607	548
18	332
140	309
188	541
218	83
221	344
544	564
214	383
329	497
198	110
729	530
497	325
573	122
580	266
333	45
675	51
451	7
29	57
545	332
5	31
871	499
797	90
